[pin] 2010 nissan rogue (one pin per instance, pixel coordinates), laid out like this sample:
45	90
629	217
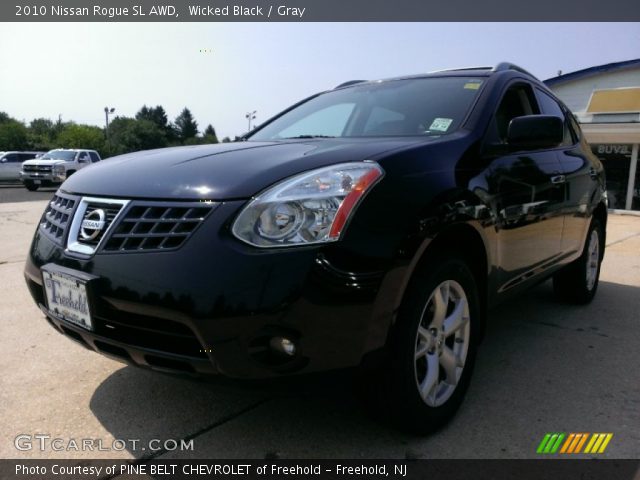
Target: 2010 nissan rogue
372	225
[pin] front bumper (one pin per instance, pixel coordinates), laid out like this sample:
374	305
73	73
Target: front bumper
46	178
214	304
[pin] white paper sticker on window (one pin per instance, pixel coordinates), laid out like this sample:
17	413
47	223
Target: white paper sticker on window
440	124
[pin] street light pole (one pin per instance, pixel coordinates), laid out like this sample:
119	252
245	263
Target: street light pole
107	111
250	116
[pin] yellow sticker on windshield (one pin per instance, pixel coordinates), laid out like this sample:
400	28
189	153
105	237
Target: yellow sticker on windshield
472	85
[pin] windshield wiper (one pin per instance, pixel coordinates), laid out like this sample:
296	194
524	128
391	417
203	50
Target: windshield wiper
307	136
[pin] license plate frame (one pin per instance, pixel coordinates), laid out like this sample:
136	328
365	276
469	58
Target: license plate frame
67	294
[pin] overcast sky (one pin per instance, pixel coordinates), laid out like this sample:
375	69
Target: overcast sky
222	70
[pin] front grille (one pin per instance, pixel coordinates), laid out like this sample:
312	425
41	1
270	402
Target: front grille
155	227
110	210
57	216
37	168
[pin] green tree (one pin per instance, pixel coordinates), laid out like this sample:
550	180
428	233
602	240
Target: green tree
13	136
130	135
209	135
186	125
210	131
41	134
81	136
158	116
41	126
4	117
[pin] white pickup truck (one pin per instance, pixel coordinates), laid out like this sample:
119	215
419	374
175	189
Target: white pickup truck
55	166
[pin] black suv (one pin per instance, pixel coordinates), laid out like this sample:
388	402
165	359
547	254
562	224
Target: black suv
372	225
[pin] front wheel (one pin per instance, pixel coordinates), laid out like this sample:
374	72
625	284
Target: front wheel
578	281
433	346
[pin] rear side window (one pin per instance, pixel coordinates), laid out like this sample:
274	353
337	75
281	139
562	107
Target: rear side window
549	106
94	157
26	156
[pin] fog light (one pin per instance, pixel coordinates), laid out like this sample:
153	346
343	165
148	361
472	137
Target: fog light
283	345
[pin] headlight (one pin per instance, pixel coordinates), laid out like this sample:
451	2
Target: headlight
312	207
58	169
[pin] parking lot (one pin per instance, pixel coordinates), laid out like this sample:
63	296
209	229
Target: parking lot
10	193
543	367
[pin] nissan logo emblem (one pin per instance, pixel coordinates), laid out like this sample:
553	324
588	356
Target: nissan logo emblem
92	224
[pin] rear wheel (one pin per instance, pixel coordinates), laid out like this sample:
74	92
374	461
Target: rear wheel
32	187
433	347
578	281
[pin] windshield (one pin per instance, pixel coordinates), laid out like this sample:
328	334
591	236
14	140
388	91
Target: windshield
59	155
421	106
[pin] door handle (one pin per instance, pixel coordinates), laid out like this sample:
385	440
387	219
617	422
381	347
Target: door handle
558	179
593	173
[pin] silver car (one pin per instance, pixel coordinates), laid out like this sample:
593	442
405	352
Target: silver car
11	162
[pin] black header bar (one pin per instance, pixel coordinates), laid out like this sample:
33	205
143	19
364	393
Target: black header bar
319	11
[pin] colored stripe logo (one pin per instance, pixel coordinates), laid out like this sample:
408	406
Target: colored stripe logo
574	442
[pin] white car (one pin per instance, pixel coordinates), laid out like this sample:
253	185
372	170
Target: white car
55	166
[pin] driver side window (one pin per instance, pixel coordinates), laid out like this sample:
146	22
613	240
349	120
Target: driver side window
517	101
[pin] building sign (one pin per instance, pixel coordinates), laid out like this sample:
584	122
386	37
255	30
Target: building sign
616	159
611	149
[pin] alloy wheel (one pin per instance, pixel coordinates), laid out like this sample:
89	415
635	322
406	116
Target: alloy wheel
442	343
593	257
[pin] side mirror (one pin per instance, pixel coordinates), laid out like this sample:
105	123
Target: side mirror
4	160
535	131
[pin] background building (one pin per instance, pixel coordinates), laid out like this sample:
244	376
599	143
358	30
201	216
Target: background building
606	100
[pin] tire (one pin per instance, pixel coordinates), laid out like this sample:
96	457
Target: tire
578	281
32	187
423	355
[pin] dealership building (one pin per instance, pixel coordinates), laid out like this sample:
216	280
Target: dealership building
606	101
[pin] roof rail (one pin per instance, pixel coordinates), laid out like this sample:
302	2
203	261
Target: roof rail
350	82
461	69
503	66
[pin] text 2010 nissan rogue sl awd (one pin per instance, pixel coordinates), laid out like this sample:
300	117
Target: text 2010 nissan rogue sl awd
372	225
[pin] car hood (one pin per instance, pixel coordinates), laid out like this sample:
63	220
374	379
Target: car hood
42	163
220	171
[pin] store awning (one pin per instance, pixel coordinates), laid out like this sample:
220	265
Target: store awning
615	100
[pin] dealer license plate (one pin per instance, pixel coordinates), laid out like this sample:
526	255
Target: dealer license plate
67	298
37	182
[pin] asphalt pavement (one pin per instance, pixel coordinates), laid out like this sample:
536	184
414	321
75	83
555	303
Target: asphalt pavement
544	366
17	193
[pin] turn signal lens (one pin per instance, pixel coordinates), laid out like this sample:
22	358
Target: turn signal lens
312	207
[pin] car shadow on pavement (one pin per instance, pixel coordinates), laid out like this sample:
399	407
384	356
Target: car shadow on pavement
535	371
